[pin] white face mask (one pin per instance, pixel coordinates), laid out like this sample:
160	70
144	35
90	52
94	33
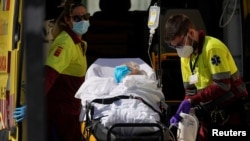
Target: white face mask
185	51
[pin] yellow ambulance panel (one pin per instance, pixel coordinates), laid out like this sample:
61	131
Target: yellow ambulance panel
10	18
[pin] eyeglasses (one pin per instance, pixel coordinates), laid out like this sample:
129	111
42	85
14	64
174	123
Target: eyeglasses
179	45
174	47
78	18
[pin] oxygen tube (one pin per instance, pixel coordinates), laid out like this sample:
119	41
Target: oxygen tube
153	22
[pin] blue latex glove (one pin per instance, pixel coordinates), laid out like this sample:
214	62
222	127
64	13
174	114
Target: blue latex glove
184	107
19	113
121	72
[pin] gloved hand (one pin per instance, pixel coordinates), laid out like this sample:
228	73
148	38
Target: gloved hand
184	107
175	119
19	113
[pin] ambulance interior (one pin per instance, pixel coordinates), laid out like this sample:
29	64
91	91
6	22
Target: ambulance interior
119	29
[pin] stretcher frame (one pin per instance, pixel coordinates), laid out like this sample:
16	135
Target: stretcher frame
156	135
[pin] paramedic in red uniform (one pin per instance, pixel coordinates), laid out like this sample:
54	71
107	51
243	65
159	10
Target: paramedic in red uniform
210	76
65	70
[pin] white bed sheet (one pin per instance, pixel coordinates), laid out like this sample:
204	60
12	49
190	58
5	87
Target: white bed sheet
104	67
100	83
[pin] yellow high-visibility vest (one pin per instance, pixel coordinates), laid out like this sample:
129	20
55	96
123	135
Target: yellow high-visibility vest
214	62
66	57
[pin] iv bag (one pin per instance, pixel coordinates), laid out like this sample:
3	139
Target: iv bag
153	18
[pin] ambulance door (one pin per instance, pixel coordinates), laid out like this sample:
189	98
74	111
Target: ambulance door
10	29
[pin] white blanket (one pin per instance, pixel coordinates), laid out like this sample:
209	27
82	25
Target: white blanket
101	84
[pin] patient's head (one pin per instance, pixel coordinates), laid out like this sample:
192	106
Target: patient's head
135	69
130	68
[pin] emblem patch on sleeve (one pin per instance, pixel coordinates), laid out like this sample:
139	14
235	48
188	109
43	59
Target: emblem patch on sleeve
58	51
215	60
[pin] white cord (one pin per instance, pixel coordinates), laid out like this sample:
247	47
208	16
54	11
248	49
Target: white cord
149	45
171	133
223	13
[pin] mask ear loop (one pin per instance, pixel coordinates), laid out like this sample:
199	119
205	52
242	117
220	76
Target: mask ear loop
186	40
192	43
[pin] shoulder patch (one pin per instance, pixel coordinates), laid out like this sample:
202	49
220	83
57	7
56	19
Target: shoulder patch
215	60
58	51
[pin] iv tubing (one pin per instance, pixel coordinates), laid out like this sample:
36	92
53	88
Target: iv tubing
223	13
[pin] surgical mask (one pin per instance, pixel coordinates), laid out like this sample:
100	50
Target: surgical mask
80	27
121	72
185	51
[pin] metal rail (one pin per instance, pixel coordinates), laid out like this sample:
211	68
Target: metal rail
33	16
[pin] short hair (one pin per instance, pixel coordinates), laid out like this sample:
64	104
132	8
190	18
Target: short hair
177	25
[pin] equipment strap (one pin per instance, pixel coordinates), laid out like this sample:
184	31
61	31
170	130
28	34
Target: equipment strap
113	99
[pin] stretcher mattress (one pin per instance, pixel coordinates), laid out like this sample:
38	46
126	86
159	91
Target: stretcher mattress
100	84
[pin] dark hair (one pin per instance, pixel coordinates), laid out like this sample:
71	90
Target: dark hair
69	7
176	25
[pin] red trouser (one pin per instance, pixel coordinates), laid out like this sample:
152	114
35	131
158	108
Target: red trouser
205	128
62	126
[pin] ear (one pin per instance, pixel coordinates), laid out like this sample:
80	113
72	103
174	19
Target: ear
191	33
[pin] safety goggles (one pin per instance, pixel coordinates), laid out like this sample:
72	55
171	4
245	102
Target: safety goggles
180	44
78	18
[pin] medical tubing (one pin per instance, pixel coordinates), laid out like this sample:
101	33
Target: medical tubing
223	13
153	22
158	72
149	45
159	78
171	133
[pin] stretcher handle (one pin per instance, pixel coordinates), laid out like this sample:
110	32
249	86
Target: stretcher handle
135	125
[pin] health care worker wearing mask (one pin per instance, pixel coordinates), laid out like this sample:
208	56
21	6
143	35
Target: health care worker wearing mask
65	72
211	79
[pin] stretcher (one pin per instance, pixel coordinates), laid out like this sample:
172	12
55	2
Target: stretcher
132	110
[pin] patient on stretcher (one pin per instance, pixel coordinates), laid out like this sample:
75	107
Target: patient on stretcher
130	68
130	80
